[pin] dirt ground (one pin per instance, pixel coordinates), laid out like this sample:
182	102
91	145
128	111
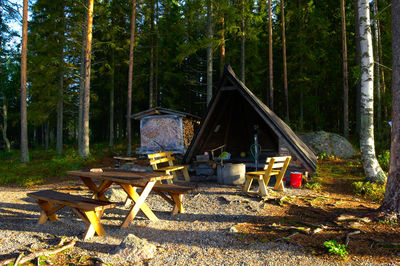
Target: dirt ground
308	218
333	213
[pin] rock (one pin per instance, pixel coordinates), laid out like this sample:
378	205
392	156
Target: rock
116	195
133	249
330	144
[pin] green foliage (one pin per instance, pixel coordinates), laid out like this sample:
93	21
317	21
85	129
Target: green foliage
370	190
384	160
315	184
324	156
336	248
44	166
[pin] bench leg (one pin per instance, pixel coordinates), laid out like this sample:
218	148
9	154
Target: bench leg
186	174
169	181
262	189
247	185
178	207
139	203
48	212
92	219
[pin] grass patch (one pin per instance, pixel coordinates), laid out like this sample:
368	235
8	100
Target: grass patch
45	165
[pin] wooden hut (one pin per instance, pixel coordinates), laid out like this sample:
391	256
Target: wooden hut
163	129
235	117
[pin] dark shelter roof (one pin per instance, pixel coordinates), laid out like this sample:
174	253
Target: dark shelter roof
162	111
230	119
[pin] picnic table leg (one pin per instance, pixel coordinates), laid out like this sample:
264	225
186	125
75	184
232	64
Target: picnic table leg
97	190
139	203
178	207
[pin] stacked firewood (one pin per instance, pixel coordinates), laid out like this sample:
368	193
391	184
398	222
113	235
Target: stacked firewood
188	131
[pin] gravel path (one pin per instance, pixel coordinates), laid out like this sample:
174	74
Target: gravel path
201	236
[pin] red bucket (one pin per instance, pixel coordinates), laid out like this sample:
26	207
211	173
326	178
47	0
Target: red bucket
295	179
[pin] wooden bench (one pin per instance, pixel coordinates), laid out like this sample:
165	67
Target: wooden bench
175	192
166	157
118	160
89	210
274	166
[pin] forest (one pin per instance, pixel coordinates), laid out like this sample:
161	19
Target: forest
170	60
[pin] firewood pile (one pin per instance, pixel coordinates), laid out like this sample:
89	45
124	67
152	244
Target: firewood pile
188	131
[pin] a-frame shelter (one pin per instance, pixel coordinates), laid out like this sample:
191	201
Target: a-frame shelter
233	118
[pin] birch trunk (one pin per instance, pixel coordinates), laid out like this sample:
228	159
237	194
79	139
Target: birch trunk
209	53
377	75
371	166
271	70
345	78
358	63
4	126
130	77
285	81
84	148
24	123
391	202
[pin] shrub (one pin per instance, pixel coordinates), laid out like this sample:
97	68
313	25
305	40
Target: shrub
336	248
370	190
384	160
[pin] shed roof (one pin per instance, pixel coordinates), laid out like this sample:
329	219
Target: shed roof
162	111
229	82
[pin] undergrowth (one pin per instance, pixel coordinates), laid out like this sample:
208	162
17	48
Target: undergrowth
370	190
45	165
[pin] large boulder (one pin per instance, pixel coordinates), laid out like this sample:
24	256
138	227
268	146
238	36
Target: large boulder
134	249
330	144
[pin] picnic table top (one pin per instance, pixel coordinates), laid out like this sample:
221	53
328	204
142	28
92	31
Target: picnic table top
121	176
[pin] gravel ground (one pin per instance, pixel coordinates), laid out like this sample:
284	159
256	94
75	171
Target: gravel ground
200	236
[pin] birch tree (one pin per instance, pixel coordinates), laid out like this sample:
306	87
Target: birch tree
345	78
371	166
391	202
24	123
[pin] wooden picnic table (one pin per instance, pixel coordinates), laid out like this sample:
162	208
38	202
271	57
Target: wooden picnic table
127	180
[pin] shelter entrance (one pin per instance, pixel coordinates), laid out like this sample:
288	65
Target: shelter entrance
240	128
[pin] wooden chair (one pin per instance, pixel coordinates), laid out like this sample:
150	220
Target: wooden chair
166	157
274	166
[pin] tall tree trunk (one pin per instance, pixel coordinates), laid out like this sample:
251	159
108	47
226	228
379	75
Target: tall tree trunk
112	89
285	81
371	166
243	46
358	63
47	135
151	79
209	52
391	202
222	49
60	104
377	76
84	148
345	78
24	122
130	77
271	70
382	72
4	126
157	93
82	83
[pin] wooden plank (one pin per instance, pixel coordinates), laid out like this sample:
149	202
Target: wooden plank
95	223
160	154
125	158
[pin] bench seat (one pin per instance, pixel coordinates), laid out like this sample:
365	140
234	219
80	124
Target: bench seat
89	210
